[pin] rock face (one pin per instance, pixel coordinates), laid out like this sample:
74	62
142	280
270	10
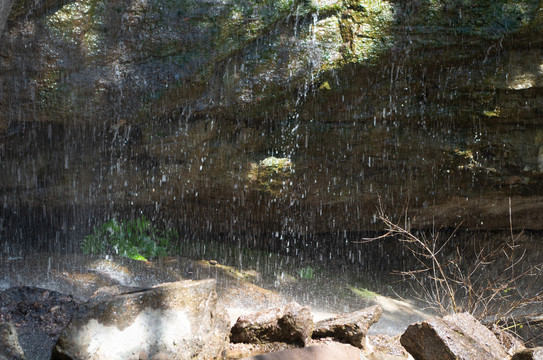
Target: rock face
9	343
458	336
178	100
350	328
291	324
173	320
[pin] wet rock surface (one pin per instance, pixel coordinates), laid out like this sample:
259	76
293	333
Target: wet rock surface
344	91
38	315
350	328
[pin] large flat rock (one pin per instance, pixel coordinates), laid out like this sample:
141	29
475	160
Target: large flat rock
173	320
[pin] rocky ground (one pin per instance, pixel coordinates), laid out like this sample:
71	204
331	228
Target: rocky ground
71	279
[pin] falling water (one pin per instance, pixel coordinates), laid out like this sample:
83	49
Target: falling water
270	135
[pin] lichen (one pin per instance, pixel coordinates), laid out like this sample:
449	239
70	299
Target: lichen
80	24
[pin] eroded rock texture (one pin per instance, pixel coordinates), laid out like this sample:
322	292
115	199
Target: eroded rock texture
291	324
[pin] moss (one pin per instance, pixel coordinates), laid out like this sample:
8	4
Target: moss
487	18
325	86
247	275
358	32
80	24
363	293
492	113
271	174
326	5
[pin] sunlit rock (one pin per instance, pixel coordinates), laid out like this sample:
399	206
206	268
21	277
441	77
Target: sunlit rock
172	320
291	324
458	336
113	271
271	174
386	345
350	328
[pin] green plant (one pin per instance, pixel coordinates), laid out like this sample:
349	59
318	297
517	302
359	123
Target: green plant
136	239
307	273
363	292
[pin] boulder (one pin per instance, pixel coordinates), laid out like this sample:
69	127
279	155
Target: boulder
9	343
178	320
320	352
350	328
458	336
291	324
529	354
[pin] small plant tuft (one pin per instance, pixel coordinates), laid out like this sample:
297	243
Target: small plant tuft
307	273
136	239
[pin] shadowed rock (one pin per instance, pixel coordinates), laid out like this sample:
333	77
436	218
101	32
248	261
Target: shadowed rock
39	315
291	324
177	320
350	328
323	352
458	336
529	354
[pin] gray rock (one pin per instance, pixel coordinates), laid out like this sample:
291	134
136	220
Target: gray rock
458	336
9	343
291	324
350	328
177	320
529	354
321	352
